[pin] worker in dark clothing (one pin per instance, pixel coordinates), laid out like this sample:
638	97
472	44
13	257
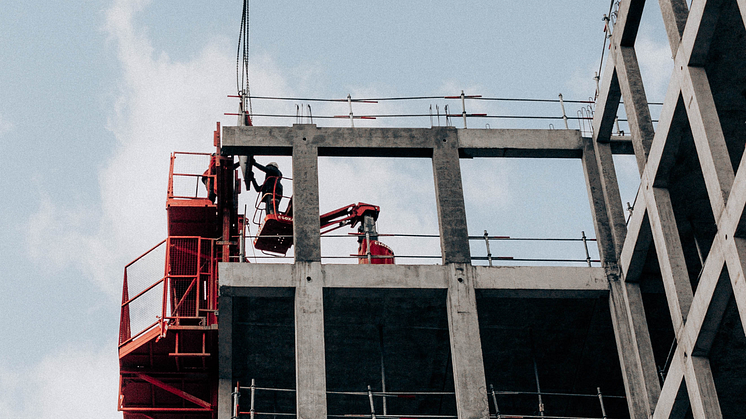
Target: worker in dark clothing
271	189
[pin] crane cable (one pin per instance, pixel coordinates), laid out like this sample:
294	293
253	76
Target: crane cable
242	59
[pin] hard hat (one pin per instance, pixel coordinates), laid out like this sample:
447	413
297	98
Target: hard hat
273	164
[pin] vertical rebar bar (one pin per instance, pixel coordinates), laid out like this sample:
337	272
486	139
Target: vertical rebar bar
431	115
585	244
487	243
564	114
372	407
601	401
463	108
494	401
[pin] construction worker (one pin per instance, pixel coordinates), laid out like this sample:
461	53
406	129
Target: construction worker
271	189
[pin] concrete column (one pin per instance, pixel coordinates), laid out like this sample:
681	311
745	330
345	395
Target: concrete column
625	301
307	241
225	357
310	355
449	194
466	347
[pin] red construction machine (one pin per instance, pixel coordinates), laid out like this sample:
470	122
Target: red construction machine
276	232
168	325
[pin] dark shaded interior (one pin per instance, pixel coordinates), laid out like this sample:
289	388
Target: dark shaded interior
727	77
399	334
264	350
572	344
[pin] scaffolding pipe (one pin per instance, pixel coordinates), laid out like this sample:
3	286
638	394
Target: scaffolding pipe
494	401
601	401
585	244
253	392
372	407
352	118
487	243
564	114
236	394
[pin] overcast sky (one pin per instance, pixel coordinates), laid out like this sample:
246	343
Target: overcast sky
97	93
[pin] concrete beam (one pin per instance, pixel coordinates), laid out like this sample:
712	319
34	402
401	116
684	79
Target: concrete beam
674	18
635	102
670	253
519	143
637	243
541	281
255	279
405	142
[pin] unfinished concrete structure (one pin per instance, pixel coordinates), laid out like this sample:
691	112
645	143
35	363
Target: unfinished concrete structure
675	273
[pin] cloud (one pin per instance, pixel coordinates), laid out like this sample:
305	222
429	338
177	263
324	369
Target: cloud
70	383
163	105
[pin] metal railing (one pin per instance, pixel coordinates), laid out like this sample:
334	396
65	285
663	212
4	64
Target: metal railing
187	176
173	282
371	395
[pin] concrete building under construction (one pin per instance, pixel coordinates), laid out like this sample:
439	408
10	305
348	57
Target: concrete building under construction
655	331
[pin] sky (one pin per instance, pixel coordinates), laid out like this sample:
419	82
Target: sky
97	93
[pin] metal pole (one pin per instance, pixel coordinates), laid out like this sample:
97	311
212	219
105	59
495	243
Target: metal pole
236	395
253	391
487	243
536	373
587	255
242	242
383	370
372	408
494	401
367	250
564	114
463	108
538	389
601	400
352	118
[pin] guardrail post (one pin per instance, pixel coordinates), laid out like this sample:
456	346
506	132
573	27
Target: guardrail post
372	406
585	244
601	401
487	243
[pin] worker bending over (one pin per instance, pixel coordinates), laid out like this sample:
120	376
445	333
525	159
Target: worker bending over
271	189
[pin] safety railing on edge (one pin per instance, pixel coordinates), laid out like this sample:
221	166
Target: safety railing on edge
586	242
492	394
189	176
186	291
